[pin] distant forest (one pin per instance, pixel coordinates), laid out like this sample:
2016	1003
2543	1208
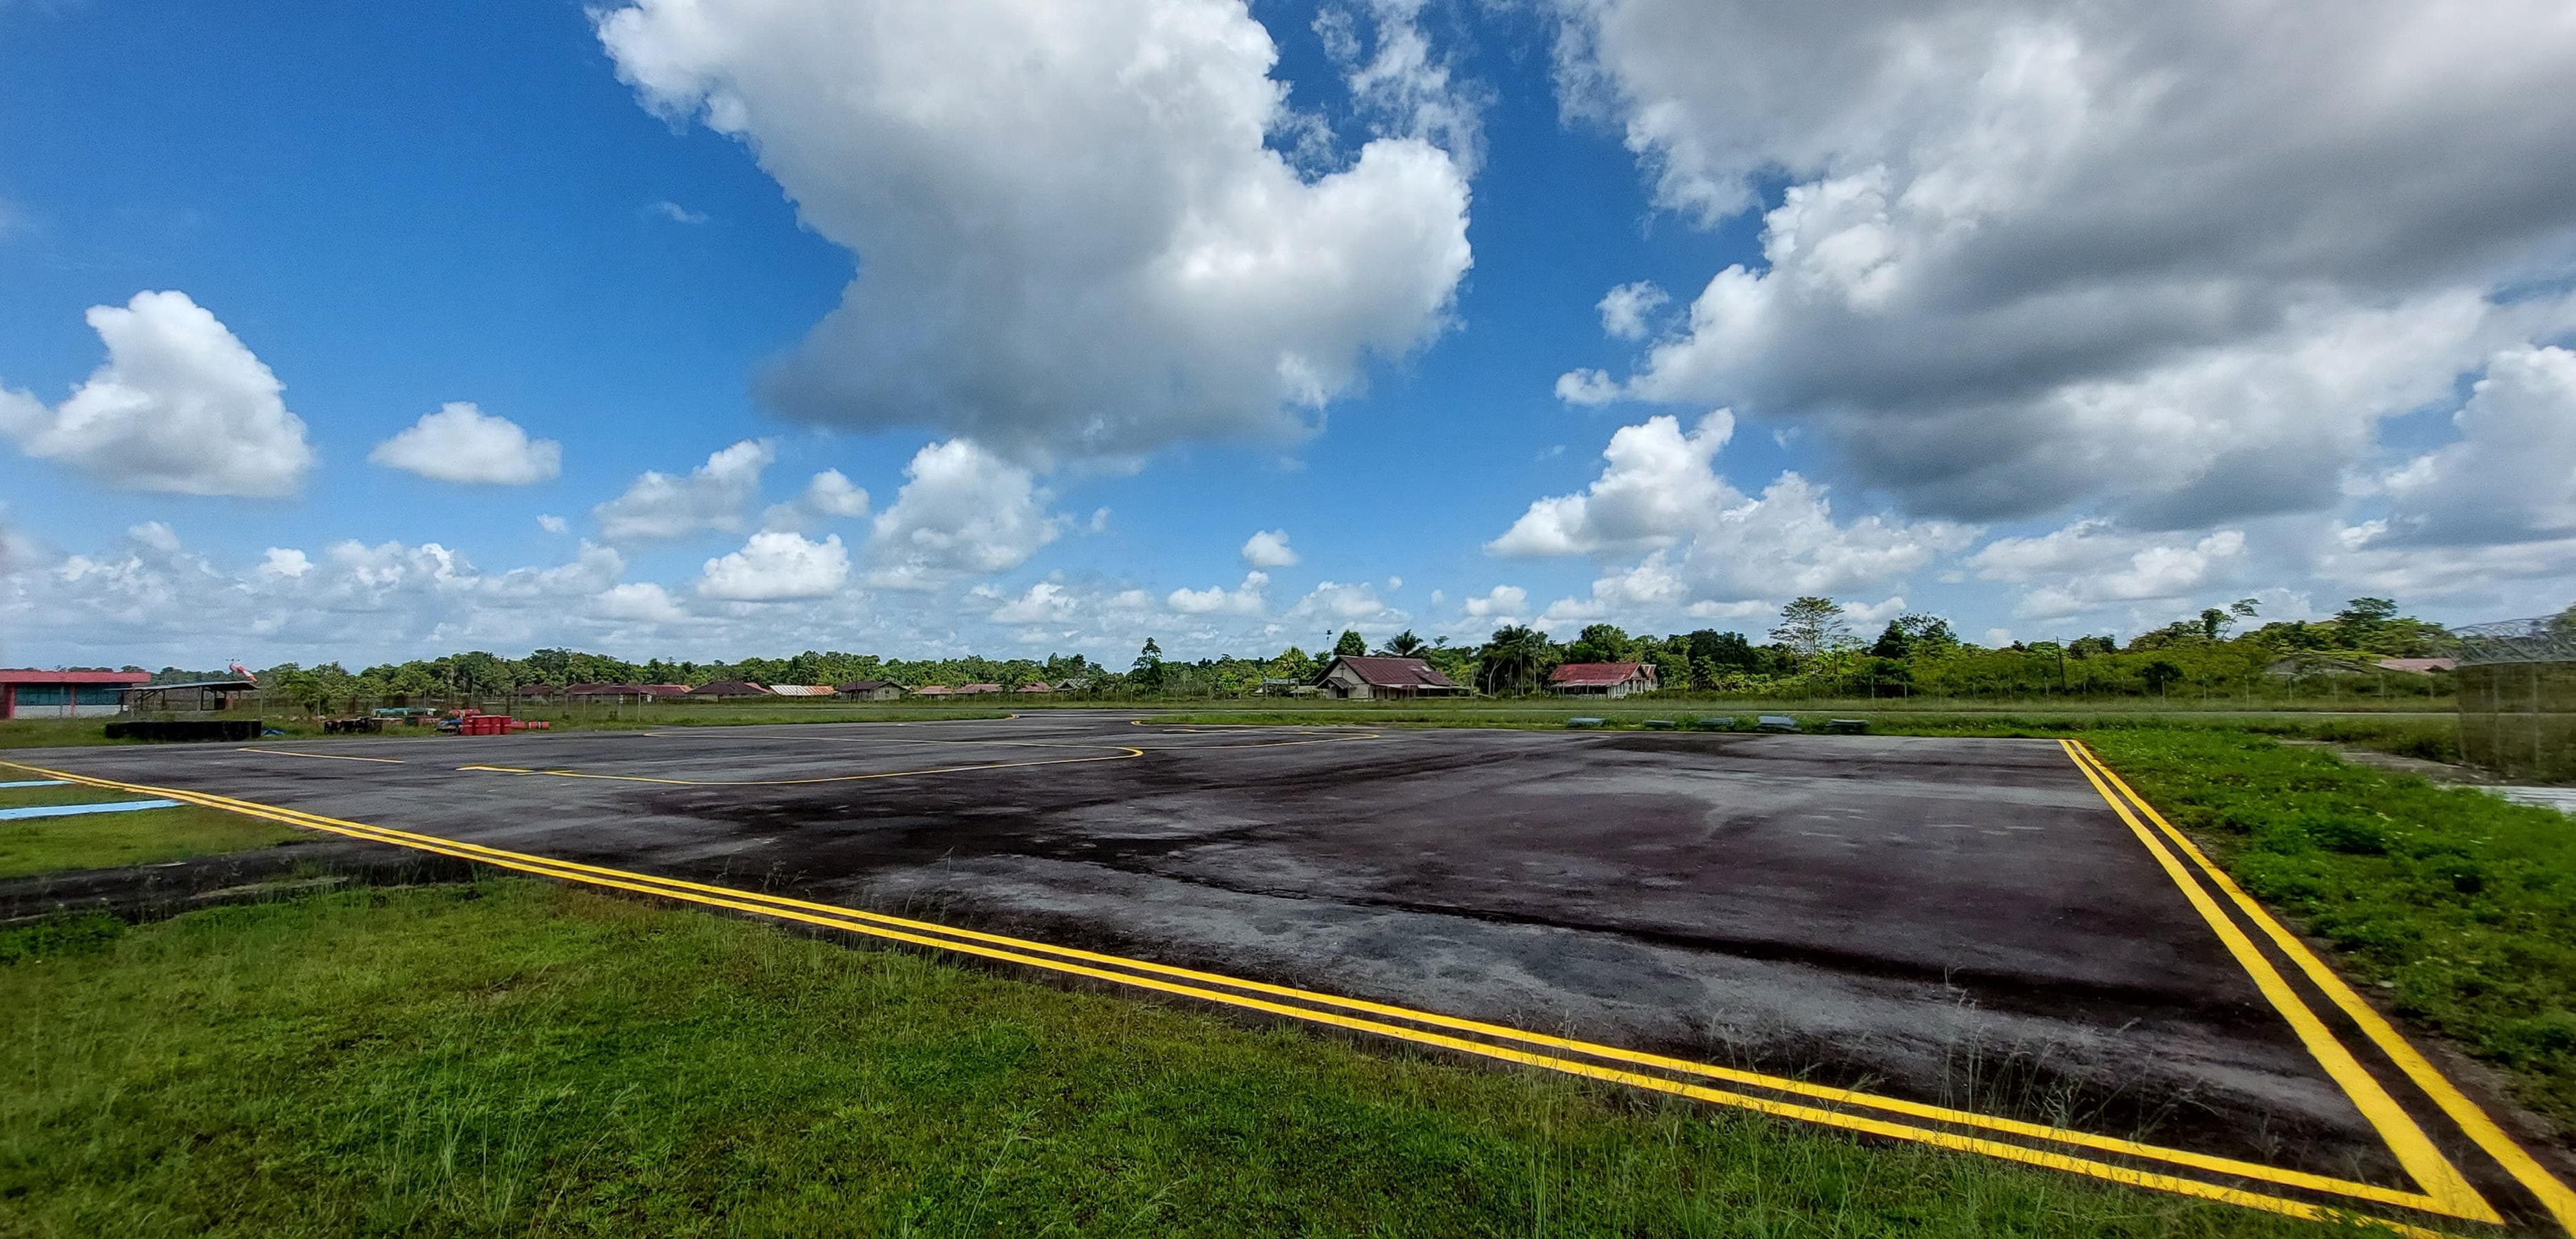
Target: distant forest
1813	650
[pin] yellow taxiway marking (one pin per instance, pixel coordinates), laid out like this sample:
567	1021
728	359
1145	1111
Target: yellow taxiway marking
1125	752
1146	974
390	761
2447	1190
2481	1128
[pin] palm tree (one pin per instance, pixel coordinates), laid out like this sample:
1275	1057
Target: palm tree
1403	645
1514	658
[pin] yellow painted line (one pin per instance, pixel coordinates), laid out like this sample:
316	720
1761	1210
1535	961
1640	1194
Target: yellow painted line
2442	1182
2473	1120
1125	753
390	761
881	926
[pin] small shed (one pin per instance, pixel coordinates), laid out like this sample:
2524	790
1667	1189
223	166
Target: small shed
934	690
729	688
1353	677
1036	686
2419	666
870	690
1602	679
802	690
964	690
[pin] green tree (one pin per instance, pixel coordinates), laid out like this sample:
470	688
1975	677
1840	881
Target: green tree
2159	674
1147	671
1403	645
1714	654
1515	659
1351	644
1812	627
2363	619
1601	643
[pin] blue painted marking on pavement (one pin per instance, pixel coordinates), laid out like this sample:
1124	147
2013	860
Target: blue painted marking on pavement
37	783
74	810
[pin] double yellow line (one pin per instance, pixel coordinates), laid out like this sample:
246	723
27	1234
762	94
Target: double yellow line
1845	1109
2441	1181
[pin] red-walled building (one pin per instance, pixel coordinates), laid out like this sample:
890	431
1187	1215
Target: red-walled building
27	693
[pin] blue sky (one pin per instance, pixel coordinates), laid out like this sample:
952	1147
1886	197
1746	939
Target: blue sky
2005	324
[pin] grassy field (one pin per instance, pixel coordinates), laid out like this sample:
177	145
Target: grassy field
109	840
514	1057
2459	907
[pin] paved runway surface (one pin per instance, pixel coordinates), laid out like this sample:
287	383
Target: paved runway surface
1957	921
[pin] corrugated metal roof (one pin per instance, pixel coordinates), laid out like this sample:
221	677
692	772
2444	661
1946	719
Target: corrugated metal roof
729	688
1582	675
1393	672
28	675
801	690
868	686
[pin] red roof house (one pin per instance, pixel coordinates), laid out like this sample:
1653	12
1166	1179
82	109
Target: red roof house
1602	679
1354	677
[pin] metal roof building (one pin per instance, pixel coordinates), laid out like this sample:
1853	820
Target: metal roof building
29	693
1602	679
1354	677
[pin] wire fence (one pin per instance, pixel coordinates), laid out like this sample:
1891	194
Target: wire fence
2541	639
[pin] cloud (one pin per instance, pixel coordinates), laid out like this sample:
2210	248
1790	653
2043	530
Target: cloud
830	496
775	566
1660	498
181	405
1355	605
1244	599
1045	602
349	600
2083	568
1074	237
1401	85
553	524
2510	476
1587	388
2174	267
962	511
660	506
1269	549
639	602
1626	309
462	443
1501	604
676	213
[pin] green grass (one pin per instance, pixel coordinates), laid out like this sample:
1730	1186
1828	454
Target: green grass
2458	906
515	1057
111	840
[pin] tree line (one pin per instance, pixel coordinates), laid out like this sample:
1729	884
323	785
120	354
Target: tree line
1811	650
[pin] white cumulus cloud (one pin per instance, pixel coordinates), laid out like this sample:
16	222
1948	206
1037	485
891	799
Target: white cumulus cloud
1660	498
963	511
1244	599
776	565
713	495
2173	265
181	405
829	496
1269	549
462	443
1074	235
